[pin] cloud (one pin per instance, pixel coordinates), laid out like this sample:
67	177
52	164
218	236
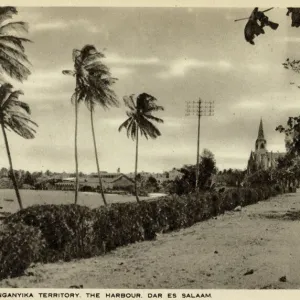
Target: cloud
114	58
289	39
63	25
258	67
180	67
246	104
119	71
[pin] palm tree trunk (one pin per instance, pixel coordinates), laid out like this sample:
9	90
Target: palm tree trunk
76	151
96	155
11	167
136	163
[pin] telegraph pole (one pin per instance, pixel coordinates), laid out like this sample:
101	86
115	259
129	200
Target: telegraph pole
200	109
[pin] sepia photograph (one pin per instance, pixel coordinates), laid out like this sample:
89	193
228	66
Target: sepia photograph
149	148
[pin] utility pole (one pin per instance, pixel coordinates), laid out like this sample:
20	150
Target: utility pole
200	109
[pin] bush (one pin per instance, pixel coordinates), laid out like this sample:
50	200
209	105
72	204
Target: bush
122	224
67	230
20	245
72	231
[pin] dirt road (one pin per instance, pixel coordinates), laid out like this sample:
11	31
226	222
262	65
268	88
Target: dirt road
260	240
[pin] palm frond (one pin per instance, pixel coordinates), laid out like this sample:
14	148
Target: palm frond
69	72
87	50
133	130
152	108
92	59
5	89
144	132
24	106
6	12
150	129
93	79
74	98
75	54
15	113
158	120
140	114
145	100
13	40
16	26
23	117
97	69
21	128
14	52
11	99
129	128
125	124
129	102
101	93
13	67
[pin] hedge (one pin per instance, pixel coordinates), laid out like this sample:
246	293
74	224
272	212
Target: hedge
65	232
20	245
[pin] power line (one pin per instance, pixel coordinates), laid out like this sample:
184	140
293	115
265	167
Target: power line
200	109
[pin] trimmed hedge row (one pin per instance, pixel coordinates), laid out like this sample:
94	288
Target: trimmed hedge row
64	232
20	245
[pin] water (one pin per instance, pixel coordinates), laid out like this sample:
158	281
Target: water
33	197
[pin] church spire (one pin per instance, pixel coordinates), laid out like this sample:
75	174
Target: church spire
261	131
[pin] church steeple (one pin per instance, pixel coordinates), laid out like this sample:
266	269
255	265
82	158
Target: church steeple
261	131
261	143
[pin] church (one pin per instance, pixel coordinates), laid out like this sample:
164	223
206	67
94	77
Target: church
261	158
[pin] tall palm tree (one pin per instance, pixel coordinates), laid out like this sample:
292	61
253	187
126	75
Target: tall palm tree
13	60
15	116
93	81
140	121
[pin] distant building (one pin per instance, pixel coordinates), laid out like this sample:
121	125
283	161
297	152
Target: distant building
109	181
173	174
261	158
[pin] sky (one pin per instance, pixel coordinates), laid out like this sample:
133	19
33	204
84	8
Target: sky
176	55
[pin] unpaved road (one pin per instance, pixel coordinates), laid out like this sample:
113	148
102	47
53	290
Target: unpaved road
212	254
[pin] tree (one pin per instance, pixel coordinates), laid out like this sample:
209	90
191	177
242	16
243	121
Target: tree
186	184
12	53
151	185
15	116
91	80
28	179
140	118
95	89
207	168
292	130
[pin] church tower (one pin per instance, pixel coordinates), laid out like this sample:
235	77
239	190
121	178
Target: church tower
261	143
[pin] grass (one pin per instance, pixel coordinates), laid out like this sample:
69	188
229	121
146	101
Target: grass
33	197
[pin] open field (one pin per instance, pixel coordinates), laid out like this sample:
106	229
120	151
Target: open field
261	241
32	197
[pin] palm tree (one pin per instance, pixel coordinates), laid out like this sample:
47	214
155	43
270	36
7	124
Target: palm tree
93	81
14	115
140	121
12	53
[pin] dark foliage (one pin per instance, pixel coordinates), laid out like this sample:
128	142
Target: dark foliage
292	133
186	184
72	231
67	229
20	245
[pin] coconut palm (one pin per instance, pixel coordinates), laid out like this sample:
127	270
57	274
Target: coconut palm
96	90
12	53
14	116
140	120
93	81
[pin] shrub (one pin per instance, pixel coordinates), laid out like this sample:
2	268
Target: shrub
20	245
67	229
72	231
